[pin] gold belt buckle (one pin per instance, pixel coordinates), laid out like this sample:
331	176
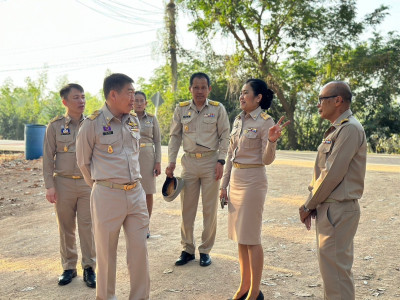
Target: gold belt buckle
142	145
128	187
198	155
76	177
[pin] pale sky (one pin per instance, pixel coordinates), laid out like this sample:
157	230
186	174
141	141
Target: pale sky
84	38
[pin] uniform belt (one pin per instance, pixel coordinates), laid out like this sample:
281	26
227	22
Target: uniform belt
200	155
125	187
247	166
330	200
146	145
68	176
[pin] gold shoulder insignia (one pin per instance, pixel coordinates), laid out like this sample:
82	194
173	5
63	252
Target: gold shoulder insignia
56	118
344	121
212	102
238	117
132	113
184	103
265	116
94	115
149	114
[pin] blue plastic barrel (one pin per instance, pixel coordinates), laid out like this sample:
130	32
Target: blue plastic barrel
34	137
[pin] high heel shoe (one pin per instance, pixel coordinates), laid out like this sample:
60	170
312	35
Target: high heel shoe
260	296
241	298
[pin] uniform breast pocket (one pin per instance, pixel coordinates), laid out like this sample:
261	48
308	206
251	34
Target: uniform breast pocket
147	130
111	144
210	123
188	125
251	140
323	154
65	143
135	141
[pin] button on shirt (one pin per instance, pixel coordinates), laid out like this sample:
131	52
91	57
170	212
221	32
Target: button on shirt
59	149
150	133
249	141
341	161
201	131
108	149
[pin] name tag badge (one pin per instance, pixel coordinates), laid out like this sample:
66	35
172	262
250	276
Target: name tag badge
65	131
107	130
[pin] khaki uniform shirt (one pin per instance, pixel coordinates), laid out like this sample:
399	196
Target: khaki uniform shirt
201	131
108	149
249	142
150	133
341	161
59	149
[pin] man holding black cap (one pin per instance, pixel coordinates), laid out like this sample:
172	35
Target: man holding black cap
203	126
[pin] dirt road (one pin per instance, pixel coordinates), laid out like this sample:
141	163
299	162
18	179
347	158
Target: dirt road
30	263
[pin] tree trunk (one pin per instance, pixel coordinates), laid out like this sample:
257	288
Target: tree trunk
172	44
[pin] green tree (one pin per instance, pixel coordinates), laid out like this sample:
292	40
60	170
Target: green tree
272	35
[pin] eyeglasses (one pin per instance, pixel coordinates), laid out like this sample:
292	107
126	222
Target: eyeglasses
320	99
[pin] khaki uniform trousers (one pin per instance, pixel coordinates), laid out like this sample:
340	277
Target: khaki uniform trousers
111	209
336	227
199	173
73	202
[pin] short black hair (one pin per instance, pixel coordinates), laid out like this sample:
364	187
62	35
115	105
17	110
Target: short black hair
141	93
199	75
260	87
116	82
64	92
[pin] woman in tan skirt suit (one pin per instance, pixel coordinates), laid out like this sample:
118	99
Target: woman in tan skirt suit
252	146
150	149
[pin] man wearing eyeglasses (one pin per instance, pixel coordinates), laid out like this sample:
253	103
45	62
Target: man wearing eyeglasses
336	186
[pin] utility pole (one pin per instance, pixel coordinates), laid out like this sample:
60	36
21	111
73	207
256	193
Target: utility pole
172	44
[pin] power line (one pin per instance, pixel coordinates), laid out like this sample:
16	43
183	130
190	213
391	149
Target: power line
75	60
124	13
94	40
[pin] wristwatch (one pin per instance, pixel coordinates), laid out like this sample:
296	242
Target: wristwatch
306	209
221	161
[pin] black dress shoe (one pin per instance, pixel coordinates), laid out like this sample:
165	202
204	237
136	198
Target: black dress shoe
260	296
66	277
205	260
89	277
184	258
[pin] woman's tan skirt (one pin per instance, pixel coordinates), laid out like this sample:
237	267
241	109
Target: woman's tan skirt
247	192
146	162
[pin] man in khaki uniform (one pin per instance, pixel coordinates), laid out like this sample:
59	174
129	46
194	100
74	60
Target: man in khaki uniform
66	188
337	184
107	150
203	126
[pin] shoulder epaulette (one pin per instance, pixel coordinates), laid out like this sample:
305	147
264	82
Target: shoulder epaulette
344	121
212	102
265	116
184	103
149	114
94	115
132	113
56	118
237	117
